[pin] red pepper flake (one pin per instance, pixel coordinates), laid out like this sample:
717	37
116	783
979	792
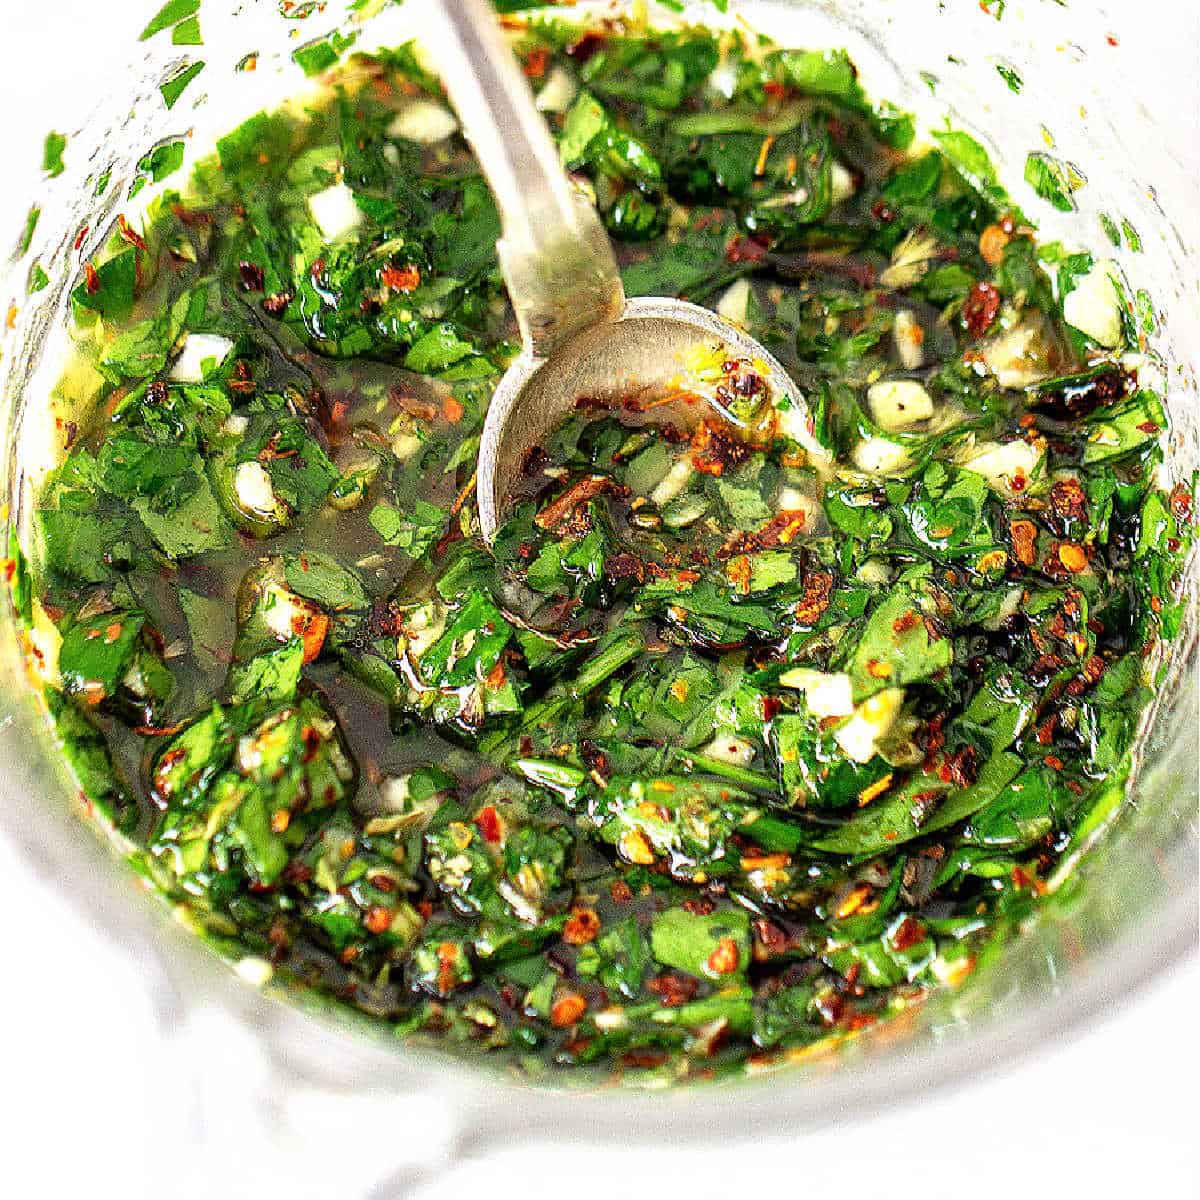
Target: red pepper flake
91	278
1112	40
567	1010
159	730
908	933
1054	762
241	383
1148	427
275	305
781	530
644	1060
980	309
312	740
311	627
578	494
992	242
738	570
83	232
582	926
1073	557
447	954
905	622
401	279
1180	502
817	588
713	449
673	988
1067	501
253	277
452	410
487	821
535	64
959	769
772	87
725	958
589	44
882	211
130	234
831	1005
742	249
769	940
620	891
378	918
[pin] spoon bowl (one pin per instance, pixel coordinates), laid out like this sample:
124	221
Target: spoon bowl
657	352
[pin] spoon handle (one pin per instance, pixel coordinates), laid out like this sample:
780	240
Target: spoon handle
556	258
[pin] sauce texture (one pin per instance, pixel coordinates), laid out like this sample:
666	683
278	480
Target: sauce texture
752	729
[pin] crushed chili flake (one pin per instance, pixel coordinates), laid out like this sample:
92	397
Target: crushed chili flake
254	278
567	1010
980	308
742	249
1024	541
725	958
582	926
129	234
401	279
818	586
714	449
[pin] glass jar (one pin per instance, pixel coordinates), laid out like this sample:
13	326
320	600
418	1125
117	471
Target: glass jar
1126	912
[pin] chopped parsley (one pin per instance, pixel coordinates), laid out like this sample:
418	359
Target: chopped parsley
747	731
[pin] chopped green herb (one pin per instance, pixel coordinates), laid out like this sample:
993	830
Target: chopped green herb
754	723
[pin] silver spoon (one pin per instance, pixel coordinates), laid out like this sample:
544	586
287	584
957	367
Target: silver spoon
581	338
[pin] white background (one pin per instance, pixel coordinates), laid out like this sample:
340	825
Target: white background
1110	1113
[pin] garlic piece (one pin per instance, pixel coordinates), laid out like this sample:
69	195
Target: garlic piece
735	302
1093	305
871	721
424	121
335	212
198	349
1017	356
908	334
557	92
1008	467
898	404
910	260
827	695
728	748
673	482
255	492
878	456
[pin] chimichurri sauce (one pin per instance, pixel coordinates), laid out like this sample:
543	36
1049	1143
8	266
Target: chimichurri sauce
754	727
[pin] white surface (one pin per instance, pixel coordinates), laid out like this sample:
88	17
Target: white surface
88	1102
